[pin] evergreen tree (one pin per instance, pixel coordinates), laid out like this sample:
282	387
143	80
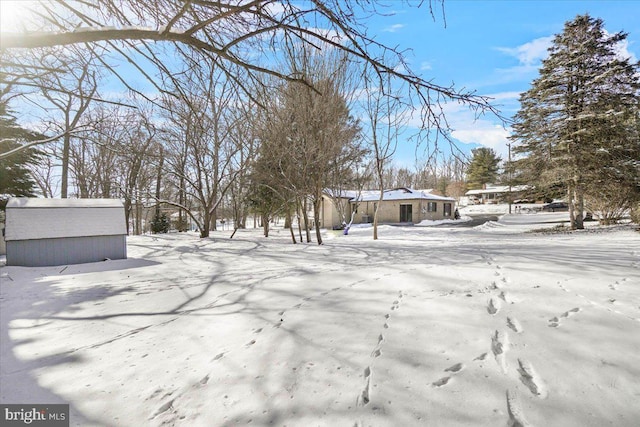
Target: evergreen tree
575	125
160	223
483	168
15	177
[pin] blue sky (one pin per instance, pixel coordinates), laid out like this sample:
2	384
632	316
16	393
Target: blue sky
492	47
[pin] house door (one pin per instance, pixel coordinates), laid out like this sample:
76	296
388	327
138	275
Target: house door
406	214
447	209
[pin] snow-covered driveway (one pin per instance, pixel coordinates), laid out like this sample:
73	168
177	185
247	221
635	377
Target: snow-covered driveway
426	326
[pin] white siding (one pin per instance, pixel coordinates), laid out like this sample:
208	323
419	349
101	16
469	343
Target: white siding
29	219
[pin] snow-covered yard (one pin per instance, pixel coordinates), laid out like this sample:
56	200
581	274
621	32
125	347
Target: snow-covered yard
437	326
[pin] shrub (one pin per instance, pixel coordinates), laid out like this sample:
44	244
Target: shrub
160	224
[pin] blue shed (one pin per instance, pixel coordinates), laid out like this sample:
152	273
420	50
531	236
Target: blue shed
41	232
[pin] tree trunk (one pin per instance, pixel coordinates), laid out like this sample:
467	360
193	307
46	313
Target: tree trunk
299	220
206	221
288	221
265	225
570	200
138	215
64	188
305	216
127	213
579	211
316	215
158	183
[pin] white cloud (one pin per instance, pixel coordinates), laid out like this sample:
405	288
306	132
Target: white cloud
486	131
530	53
393	28
504	96
424	66
622	49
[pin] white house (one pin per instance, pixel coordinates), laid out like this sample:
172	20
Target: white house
40	232
495	193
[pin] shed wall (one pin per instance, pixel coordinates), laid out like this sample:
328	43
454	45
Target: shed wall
70	250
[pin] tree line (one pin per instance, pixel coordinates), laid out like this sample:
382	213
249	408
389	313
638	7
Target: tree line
218	133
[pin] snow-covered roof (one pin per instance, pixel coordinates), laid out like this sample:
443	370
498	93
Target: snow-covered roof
402	194
32	218
342	194
31	202
498	189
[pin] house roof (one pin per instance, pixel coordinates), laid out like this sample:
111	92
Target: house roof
401	193
341	194
498	189
33	219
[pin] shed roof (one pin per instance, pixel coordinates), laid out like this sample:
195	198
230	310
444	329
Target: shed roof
31	202
32	219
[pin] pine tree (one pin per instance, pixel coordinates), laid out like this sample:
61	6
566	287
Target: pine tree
483	168
160	223
15	177
574	125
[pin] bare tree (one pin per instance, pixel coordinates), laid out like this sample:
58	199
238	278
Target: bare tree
226	33
203	150
387	119
71	94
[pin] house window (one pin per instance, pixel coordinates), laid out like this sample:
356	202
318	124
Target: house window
432	207
447	209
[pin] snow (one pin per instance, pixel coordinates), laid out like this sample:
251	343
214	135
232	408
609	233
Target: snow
430	223
400	194
32	218
493	325
485	209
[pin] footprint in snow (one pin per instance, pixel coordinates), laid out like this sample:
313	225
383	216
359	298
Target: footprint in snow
514	325
483	356
516	417
365	397
441	382
455	368
531	379
554	322
494	306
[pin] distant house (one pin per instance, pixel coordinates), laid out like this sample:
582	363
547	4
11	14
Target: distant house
41	232
399	205
491	194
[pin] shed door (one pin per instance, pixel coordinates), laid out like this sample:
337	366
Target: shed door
406	213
